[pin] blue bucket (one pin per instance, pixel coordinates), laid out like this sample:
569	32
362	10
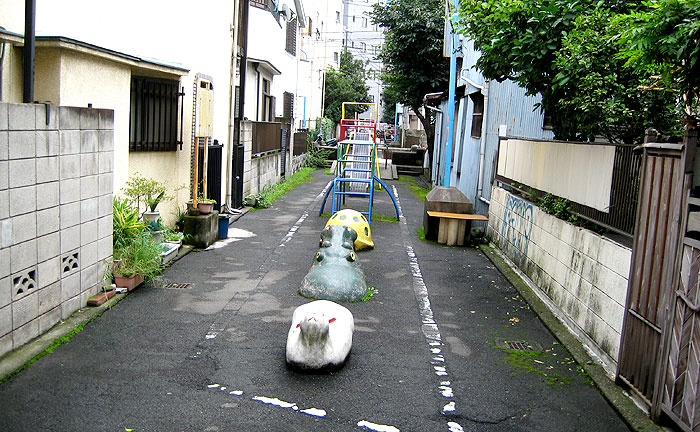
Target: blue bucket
223	226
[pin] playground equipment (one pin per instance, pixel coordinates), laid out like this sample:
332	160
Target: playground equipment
356	169
356	221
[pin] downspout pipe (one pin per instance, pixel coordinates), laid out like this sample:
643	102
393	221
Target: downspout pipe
257	94
482	145
28	54
451	102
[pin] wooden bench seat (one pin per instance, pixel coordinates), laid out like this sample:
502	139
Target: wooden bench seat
463	216
453	226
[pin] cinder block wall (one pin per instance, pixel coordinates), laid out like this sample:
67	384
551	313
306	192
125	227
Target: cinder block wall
56	167
582	273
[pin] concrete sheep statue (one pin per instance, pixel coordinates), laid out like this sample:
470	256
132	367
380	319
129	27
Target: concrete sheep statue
320	337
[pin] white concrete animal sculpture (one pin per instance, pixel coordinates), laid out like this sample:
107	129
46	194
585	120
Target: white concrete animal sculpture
320	336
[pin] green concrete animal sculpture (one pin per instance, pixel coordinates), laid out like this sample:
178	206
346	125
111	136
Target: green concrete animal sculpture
335	274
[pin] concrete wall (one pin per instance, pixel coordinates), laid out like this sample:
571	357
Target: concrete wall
582	274
55	214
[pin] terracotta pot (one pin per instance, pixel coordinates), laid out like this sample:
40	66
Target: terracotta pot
128	282
205	207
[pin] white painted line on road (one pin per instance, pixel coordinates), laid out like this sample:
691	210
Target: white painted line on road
455	427
430	329
377	427
276	402
314	412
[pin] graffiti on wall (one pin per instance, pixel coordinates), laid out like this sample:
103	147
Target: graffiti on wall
517	227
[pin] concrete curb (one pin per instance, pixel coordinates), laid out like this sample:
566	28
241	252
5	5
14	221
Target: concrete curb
15	361
635	418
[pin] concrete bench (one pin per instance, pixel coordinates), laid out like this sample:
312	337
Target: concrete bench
453	226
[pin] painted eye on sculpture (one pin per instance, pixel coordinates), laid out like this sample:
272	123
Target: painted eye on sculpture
319	257
351	257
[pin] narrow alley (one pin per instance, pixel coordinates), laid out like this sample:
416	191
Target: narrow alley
445	344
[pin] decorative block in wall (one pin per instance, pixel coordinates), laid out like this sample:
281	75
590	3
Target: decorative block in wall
55	214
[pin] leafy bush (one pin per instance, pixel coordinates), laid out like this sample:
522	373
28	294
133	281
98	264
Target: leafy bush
126	225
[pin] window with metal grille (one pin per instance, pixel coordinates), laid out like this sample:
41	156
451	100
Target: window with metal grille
288	105
291	46
477	113
153	115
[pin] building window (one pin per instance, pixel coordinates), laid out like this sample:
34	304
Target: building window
363	46
337	17
288	111
547	122
291	45
153	114
268	102
335	57
364	22
478	113
310	27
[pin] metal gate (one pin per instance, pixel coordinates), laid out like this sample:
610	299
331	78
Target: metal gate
214	162
284	145
652	269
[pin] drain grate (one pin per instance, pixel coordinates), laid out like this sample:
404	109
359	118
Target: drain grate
176	286
519	345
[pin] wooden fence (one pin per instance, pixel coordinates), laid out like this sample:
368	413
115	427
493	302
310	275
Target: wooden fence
660	350
267	136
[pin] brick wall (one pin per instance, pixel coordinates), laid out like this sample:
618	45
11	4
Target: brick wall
56	169
582	274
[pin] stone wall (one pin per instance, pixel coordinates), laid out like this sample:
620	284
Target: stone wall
56	168
582	274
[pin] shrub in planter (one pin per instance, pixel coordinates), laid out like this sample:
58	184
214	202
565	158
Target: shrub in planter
147	192
126	226
140	257
205	205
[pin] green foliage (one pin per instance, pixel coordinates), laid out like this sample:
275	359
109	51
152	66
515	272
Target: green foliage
598	95
140	256
347	84
142	190
316	157
662	38
412	51
565	51
125	223
556	206
371	292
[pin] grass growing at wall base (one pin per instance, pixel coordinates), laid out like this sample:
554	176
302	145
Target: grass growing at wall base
410	182
269	194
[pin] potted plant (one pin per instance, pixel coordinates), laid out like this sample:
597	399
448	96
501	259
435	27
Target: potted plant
125	223
156	228
205	205
148	192
137	261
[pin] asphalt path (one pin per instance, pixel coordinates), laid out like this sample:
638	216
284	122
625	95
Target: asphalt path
427	351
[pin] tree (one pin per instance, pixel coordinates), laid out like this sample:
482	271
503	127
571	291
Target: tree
346	85
412	52
662	40
596	94
564	50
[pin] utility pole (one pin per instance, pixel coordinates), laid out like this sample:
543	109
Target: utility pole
451	99
28	54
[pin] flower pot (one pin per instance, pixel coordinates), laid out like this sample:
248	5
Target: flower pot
128	282
205	207
169	252
157	236
151	216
